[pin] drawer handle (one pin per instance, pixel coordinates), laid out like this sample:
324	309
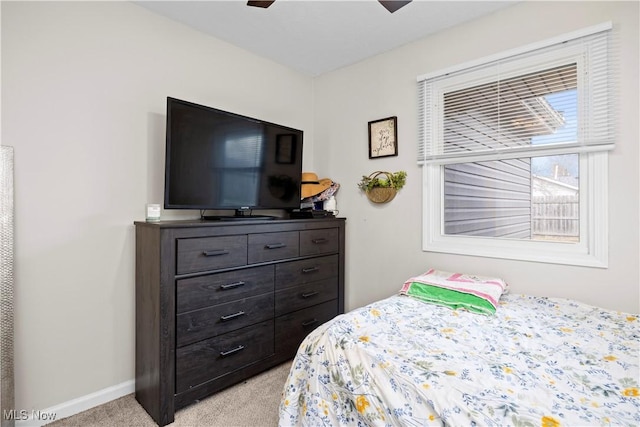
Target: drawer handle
275	246
309	322
233	350
217	252
319	241
310	270
228	286
309	294
232	316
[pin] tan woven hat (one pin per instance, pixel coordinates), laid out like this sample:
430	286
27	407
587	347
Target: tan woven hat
311	185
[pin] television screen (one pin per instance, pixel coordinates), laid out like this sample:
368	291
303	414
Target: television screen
221	160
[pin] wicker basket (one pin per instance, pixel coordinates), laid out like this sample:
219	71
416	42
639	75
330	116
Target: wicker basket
381	194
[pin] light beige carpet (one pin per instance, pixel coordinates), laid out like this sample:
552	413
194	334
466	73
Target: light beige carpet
252	403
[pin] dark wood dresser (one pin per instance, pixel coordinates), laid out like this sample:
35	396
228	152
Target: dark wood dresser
220	301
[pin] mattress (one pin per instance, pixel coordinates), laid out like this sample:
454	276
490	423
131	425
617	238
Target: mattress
404	362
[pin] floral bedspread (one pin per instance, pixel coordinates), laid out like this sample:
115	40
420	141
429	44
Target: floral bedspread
402	362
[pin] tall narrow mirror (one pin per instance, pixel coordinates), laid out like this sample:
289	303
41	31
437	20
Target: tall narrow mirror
7	403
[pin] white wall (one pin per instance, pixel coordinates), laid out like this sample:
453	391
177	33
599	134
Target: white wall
84	87
384	242
83	101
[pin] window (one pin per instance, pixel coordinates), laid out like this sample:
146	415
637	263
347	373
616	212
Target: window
514	153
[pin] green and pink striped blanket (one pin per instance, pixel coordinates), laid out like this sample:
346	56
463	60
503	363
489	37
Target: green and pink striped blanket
476	294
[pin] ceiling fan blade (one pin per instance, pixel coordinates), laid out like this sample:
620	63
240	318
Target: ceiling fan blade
262	4
393	5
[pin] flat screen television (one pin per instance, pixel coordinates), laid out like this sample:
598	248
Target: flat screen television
218	160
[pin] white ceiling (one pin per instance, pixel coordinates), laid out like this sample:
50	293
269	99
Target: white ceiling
315	37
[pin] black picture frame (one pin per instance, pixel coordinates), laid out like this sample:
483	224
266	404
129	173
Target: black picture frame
383	137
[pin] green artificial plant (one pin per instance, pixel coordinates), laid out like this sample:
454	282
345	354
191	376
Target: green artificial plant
384	179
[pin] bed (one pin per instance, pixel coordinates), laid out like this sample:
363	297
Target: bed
408	361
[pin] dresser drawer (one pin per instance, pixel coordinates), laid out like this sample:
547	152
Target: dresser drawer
304	271
211	358
211	253
213	289
292	328
303	296
211	321
273	246
316	242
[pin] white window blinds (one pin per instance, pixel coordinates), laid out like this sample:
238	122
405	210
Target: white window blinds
552	98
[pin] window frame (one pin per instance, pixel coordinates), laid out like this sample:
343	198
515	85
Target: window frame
592	249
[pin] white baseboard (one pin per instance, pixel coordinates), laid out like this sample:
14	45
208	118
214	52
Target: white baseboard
39	418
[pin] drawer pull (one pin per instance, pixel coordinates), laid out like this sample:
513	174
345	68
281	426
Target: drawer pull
233	350
217	252
310	270
319	241
309	322
228	286
232	316
309	294
275	246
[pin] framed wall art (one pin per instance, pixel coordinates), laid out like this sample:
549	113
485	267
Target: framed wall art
383	137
